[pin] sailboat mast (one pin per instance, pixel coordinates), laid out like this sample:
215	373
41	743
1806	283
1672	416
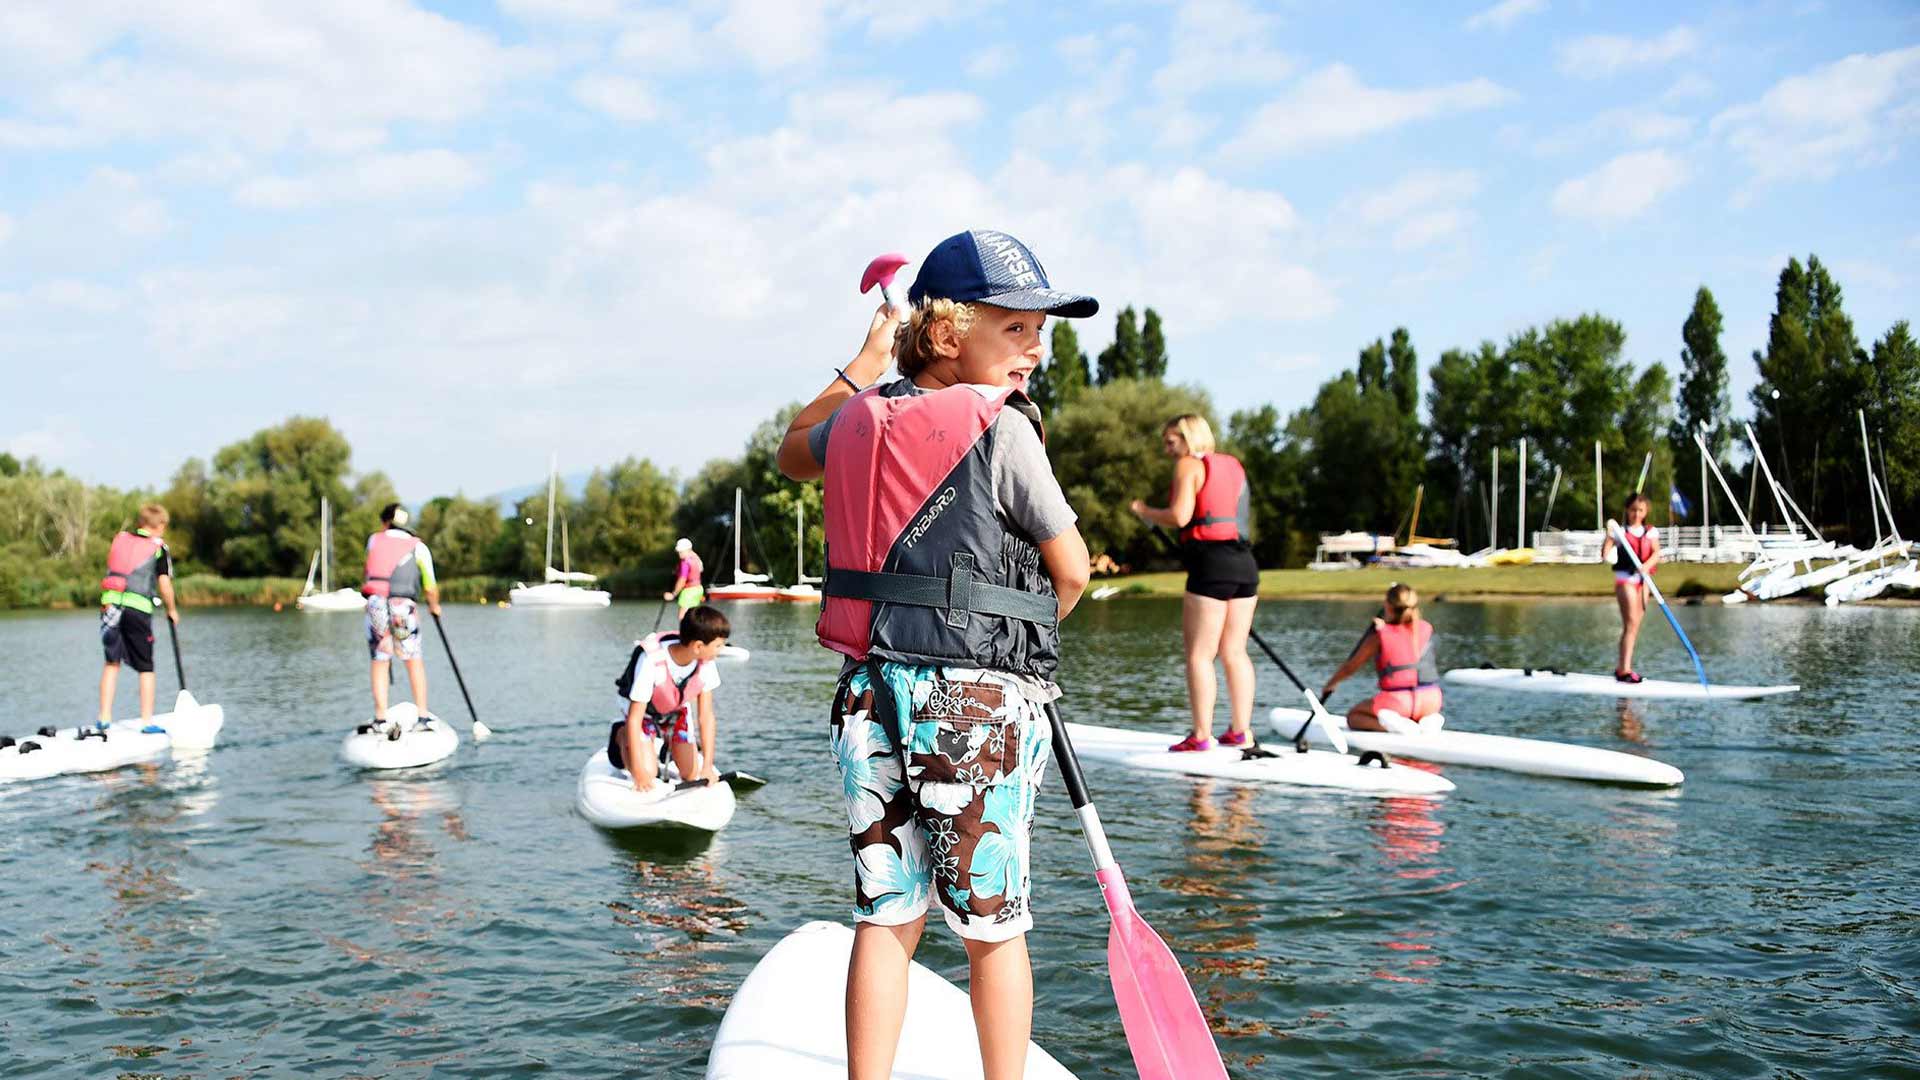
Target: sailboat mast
326	544
800	543
1520	523
736	534
553	470
566	552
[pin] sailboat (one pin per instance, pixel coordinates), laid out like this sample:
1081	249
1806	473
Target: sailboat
1864	580
558	589
745	586
324	599
802	590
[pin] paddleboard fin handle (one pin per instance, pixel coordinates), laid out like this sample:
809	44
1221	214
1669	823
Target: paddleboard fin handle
1375	757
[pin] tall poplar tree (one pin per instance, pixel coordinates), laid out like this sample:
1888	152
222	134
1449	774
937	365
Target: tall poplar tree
1703	391
1153	347
1123	358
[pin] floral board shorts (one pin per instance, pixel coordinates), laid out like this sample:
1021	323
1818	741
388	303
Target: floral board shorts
939	782
392	622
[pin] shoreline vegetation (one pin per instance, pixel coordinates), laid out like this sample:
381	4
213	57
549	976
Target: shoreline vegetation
1559	409
1589	581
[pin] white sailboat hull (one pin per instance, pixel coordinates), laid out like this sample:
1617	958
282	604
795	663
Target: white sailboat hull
337	600
557	595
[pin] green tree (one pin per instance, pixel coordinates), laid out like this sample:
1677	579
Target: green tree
1815	363
264	496
460	531
1703	403
9	465
1273	467
1106	452
626	517
1404	372
1067	376
1371	372
1125	357
1153	347
1893	416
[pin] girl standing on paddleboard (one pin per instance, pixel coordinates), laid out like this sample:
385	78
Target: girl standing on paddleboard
951	557
1401	649
1209	505
1629	589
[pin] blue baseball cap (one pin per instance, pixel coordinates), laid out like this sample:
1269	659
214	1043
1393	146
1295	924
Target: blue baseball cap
993	268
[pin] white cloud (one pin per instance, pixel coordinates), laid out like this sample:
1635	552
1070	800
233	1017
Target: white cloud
1597	56
775	34
1426	229
1413	192
1630	124
1221	43
1690	85
1623	188
1504	14
57	437
659	39
1872	274
992	61
1332	105
1848	114
623	98
6	228
584	11
374	178
253	75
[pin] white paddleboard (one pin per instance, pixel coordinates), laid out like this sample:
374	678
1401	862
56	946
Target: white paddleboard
1536	757
788	1020
606	797
34	757
1315	768
1542	681
127	742
191	725
420	742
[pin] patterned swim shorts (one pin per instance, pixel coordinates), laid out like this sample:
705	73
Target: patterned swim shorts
392	622
939	782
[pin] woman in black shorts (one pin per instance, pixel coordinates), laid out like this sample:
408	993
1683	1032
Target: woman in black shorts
1209	505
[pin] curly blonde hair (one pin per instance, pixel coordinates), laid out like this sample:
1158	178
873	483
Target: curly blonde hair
913	341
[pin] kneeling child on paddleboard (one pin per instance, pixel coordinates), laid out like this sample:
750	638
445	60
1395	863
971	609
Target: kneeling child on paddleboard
1400	647
667	678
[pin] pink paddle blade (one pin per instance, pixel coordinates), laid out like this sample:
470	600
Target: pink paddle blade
881	270
1166	1031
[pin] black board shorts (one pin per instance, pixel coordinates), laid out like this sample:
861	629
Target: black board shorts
1221	569
126	637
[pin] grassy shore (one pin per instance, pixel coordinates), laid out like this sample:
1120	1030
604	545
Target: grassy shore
1676	579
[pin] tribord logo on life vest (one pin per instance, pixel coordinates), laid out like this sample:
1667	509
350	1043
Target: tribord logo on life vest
940	504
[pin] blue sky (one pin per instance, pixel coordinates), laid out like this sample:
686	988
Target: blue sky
471	234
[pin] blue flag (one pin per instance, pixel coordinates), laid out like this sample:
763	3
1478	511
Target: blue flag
1678	503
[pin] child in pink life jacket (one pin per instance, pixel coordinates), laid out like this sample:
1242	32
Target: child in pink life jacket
667	678
952	555
1401	649
1629	588
139	569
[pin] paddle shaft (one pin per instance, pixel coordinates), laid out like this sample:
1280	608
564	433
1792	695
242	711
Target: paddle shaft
1620	538
1076	785
457	677
173	636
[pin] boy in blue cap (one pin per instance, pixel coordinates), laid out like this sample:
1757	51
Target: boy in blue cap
951	557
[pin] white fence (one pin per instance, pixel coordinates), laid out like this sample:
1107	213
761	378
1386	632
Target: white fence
1678	543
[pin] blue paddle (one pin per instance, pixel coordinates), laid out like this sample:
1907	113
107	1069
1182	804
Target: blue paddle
1620	537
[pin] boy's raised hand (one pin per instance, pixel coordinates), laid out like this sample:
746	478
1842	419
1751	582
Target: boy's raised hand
879	344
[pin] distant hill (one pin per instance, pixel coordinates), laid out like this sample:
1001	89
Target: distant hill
573	484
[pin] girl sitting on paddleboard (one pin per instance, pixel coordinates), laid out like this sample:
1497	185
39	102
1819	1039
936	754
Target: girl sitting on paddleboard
1629	589
1209	504
1401	649
952	555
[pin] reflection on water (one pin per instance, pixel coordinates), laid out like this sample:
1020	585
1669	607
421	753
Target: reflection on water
263	911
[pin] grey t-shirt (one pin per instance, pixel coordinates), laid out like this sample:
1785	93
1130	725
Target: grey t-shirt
1025	490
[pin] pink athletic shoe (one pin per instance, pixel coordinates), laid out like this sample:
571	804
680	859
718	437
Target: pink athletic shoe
1190	744
1236	738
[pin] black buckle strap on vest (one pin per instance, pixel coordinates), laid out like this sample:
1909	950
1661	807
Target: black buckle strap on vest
958	594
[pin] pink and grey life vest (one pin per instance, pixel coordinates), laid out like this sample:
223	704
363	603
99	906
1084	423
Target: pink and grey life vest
1222	503
668	696
1642	546
1405	660
133	569
391	568
921	567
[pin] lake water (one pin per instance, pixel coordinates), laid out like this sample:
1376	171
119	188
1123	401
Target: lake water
265	911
